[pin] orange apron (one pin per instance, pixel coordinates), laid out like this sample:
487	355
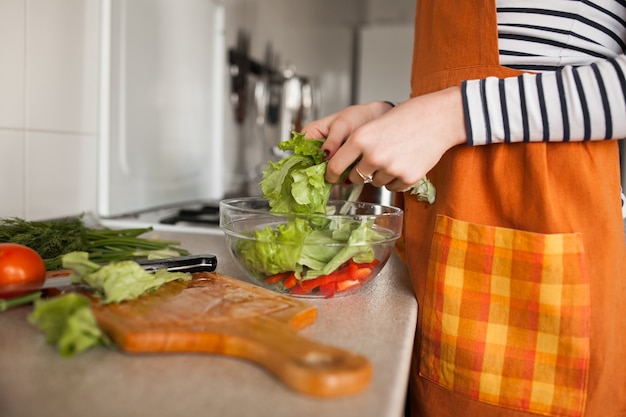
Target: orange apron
519	265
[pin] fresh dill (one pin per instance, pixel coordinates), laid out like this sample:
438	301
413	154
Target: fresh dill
54	238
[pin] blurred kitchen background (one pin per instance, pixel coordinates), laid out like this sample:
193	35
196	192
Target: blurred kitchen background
113	106
122	106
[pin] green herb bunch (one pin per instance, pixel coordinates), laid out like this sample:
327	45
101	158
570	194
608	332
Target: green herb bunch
52	239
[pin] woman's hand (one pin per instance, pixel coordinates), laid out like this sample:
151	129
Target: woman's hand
337	127
397	148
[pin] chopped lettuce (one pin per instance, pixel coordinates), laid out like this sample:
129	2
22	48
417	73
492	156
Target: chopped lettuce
356	245
296	183
68	323
296	246
424	190
117	281
276	249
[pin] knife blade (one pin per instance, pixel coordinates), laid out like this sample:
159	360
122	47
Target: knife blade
191	263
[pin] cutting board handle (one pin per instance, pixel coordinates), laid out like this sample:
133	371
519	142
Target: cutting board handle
302	364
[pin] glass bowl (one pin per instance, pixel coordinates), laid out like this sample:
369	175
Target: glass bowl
310	255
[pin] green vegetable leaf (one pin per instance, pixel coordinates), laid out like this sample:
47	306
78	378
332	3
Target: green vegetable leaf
276	249
296	183
310	189
80	264
424	190
357	246
117	281
306	147
68	323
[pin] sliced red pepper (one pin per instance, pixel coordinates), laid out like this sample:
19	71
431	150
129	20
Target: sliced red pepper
347	284
328	290
359	271
276	278
290	281
352	268
310	284
361	274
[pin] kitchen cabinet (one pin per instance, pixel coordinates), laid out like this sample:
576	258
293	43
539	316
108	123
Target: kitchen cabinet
378	323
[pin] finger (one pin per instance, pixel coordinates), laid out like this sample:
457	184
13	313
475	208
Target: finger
338	132
344	157
361	176
397	185
381	178
316	130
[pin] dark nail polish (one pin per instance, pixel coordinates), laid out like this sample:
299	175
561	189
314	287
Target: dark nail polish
326	154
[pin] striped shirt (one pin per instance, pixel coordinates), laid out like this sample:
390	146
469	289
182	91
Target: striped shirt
577	88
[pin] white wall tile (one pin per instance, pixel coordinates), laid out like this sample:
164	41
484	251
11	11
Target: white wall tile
60	175
12	39
62	65
11	174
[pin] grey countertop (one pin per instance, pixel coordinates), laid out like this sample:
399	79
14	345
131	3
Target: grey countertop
378	323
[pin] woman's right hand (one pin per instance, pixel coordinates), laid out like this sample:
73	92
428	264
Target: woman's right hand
397	148
337	127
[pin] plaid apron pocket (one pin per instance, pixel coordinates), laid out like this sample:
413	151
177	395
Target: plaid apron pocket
506	317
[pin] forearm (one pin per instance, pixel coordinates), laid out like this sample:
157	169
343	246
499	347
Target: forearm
574	104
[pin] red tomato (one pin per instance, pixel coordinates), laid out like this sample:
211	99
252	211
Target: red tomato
21	270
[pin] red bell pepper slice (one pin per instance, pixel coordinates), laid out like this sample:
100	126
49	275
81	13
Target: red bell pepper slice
276	278
328	290
290	281
347	284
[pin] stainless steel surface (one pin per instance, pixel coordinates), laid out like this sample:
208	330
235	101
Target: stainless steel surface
378	323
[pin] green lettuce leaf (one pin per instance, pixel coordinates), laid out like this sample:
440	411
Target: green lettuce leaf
296	183
117	281
356	245
68	323
276	249
311	148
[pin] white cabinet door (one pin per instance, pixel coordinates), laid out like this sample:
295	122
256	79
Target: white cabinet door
162	104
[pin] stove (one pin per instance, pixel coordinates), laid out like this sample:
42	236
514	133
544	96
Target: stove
192	218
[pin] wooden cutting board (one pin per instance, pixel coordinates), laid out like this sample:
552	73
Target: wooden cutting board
215	313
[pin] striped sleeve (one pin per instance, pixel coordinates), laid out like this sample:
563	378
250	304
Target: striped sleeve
571	104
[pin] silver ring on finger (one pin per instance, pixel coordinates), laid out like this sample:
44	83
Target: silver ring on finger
367	179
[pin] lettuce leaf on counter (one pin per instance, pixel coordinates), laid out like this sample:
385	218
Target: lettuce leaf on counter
117	281
68	323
